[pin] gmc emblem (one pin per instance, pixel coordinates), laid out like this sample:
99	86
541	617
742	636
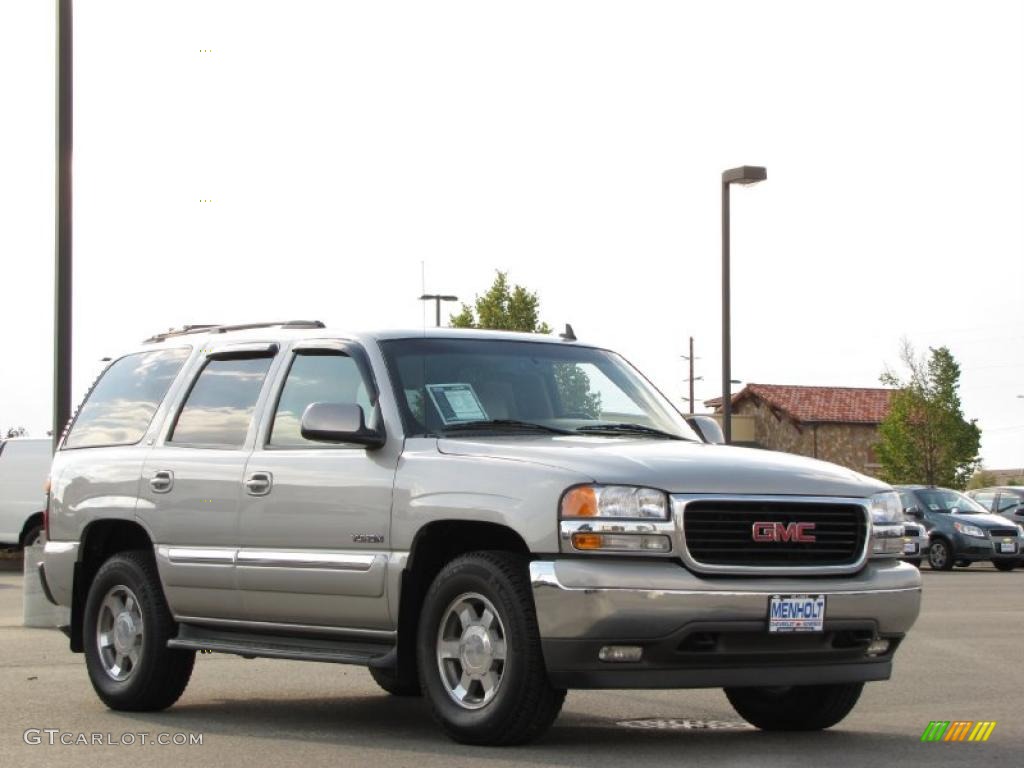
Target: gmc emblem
800	532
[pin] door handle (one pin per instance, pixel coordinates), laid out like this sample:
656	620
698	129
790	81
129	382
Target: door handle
259	483
162	481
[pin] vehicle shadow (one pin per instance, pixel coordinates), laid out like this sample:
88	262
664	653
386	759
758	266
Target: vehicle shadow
405	725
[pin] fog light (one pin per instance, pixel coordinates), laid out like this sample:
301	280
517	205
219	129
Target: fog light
621	653
877	647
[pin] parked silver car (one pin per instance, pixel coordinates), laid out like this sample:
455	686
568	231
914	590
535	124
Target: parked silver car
915	542
486	518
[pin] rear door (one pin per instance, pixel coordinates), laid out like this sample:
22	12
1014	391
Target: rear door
192	481
315	520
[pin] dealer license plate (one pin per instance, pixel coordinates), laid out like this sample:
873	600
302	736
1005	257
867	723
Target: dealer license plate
796	613
910	548
1007	546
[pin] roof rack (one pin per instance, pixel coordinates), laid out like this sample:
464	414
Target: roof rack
189	329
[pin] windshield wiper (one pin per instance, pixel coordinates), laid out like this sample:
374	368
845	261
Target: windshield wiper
625	428
507	424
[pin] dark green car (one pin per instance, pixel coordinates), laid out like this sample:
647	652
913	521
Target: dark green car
961	531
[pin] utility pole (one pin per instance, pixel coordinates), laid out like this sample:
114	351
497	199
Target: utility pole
692	378
62	256
437	298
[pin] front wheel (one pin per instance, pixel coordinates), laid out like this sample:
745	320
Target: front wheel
479	653
940	558
1005	565
795	708
126	627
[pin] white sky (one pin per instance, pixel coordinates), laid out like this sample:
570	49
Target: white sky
578	145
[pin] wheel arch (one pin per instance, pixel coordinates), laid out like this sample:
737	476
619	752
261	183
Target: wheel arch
100	540
435	545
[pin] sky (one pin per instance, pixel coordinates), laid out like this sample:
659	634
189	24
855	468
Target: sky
241	161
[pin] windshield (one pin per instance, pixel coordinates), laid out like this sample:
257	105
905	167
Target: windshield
945	500
457	386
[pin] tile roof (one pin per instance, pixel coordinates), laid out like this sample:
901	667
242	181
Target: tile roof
819	404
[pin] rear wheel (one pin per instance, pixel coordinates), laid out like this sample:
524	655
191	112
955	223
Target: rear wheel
33	536
940	558
479	652
126	627
1005	565
795	708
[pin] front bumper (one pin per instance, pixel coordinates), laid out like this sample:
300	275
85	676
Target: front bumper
712	631
972	549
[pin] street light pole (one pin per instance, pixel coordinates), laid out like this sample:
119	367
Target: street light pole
437	298
745	174
62	256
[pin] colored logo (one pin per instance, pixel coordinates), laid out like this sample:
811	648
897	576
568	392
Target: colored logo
802	532
958	730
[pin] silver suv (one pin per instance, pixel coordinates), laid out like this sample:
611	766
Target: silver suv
487	518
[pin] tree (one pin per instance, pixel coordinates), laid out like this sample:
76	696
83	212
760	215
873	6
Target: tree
15	432
503	309
982	479
925	438
518	309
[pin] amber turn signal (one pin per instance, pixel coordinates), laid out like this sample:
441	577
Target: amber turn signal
580	502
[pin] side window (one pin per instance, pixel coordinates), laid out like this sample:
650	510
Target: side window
219	409
908	500
121	405
1007	503
316	378
986	499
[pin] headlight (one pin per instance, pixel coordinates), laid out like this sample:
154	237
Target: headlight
886	508
970	530
886	525
619	501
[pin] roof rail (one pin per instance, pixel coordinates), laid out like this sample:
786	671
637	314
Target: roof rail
189	329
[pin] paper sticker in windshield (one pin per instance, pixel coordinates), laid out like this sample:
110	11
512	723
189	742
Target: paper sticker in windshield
457	403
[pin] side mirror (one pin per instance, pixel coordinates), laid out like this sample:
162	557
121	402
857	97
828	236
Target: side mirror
339	423
707	428
914	512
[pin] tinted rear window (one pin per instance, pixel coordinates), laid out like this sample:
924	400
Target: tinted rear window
121	405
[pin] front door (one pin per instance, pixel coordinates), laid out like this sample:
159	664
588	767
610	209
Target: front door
315	517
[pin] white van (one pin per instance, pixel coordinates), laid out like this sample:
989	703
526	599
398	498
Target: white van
24	466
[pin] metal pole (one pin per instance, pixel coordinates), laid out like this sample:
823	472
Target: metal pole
726	330
691	375
62	260
437	310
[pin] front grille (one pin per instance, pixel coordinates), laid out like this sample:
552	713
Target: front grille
720	533
999	532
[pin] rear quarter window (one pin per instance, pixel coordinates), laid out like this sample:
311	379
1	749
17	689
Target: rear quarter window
122	403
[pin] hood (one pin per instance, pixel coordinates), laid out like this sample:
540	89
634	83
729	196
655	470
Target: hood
675	466
984	520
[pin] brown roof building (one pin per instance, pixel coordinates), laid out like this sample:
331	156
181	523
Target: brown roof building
837	424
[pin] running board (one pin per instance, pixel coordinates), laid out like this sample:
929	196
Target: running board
255	645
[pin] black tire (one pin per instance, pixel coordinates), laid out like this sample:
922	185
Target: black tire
940	555
388	679
963	563
1005	565
160	675
796	708
32	536
523	704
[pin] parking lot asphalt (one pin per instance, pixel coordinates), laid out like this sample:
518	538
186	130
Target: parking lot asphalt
962	661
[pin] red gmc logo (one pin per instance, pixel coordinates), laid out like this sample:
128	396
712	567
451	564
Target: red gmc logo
800	532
